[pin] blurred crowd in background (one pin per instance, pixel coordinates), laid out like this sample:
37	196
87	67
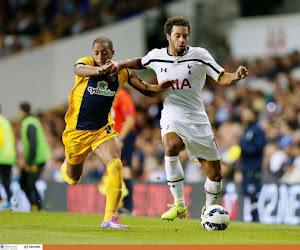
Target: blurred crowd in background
272	90
26	24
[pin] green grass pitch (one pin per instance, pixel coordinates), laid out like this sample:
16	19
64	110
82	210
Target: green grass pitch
70	228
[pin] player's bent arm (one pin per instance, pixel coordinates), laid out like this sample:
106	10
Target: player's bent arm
143	87
135	63
146	88
229	78
83	70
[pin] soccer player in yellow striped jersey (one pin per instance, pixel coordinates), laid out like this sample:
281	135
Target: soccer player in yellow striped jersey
89	125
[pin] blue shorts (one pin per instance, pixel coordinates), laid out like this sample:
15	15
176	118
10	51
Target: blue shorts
128	148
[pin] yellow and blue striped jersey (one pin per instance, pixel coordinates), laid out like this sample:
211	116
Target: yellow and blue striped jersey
92	97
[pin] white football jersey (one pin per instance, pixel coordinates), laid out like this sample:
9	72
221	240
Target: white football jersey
183	101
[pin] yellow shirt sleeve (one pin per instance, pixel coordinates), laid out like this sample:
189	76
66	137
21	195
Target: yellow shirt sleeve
86	60
123	77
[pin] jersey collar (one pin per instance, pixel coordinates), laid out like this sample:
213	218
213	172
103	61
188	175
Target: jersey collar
187	49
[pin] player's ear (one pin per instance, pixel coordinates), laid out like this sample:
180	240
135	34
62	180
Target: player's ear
112	53
168	36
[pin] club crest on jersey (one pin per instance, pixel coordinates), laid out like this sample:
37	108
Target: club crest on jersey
102	89
189	67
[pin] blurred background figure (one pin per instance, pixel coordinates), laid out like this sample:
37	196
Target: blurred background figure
252	144
7	158
36	152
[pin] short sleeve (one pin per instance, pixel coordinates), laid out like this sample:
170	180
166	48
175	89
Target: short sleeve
85	61
210	66
123	77
146	60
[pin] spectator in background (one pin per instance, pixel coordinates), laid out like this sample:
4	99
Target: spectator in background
252	144
36	152
7	158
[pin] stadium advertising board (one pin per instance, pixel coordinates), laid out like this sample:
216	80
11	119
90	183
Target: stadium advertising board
277	204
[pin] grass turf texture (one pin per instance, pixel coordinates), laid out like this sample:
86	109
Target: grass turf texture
70	228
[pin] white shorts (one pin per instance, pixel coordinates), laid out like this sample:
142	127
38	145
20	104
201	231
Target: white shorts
198	138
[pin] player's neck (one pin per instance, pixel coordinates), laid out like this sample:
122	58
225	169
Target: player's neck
172	52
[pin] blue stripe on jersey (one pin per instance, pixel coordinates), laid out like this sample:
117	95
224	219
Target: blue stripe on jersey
187	60
96	102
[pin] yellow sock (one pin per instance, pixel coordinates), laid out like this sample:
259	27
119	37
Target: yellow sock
64	175
113	187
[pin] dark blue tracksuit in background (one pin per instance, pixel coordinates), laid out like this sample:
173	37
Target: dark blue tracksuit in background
252	144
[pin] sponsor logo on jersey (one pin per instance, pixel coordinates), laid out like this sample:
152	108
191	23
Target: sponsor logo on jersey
185	84
102	89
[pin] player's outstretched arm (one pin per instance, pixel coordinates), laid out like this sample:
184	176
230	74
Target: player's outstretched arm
228	78
146	88
83	70
135	63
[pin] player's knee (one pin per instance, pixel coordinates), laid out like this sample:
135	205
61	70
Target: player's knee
215	176
172	148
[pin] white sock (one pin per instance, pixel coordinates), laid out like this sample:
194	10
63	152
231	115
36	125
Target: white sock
175	178
213	191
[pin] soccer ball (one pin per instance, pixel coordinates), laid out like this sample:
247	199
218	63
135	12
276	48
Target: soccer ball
215	218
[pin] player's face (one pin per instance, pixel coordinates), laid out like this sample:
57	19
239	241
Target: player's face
101	53
178	40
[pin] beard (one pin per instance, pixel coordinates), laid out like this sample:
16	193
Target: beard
180	52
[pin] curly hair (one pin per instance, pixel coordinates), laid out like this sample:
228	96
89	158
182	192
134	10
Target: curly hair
176	20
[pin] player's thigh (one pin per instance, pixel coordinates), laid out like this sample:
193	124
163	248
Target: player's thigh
77	145
212	169
172	143
108	150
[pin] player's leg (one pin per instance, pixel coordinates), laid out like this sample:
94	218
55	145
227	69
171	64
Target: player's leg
71	173
77	147
5	175
213	184
126	156
175	176
109	152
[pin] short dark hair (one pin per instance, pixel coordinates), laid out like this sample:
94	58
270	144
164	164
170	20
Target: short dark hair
178	21
103	39
26	107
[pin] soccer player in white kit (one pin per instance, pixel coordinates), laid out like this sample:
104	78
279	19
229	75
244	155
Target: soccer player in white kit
184	122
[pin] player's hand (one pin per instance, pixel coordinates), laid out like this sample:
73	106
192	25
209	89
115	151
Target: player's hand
115	68
241	72
166	84
103	69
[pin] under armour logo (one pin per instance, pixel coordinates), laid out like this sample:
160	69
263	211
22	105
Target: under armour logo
171	186
163	69
189	67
